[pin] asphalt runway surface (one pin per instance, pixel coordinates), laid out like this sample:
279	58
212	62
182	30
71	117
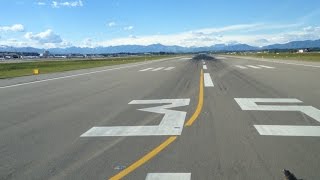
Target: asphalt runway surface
226	118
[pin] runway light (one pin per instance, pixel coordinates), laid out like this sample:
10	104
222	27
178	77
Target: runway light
35	71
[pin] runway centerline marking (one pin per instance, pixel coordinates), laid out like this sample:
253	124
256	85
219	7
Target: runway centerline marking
144	159
205	67
200	103
207	80
164	144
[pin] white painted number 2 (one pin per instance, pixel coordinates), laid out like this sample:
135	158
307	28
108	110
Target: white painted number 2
171	124
282	130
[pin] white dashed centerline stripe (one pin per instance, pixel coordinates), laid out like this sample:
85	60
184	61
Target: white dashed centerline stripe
169	68
255	67
241	67
166	176
146	69
207	80
205	67
268	67
203	62
157	69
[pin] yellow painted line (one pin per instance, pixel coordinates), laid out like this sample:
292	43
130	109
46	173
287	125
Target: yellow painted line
144	159
200	103
165	143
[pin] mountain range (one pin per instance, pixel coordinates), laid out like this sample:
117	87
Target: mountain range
163	48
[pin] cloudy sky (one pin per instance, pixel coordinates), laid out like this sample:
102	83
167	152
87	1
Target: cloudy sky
92	23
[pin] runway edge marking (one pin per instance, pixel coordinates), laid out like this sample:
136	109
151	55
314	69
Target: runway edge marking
82	74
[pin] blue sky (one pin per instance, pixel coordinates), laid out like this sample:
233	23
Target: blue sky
91	23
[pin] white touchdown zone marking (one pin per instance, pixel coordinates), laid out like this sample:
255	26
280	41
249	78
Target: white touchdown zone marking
207	80
241	67
268	67
296	64
157	69
146	69
168	176
282	130
81	74
169	68
205	67
255	67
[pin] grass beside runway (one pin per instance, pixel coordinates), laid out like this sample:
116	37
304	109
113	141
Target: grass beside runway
314	56
9	70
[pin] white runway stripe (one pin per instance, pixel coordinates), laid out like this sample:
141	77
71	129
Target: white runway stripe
169	68
255	67
284	130
268	67
147	69
241	67
168	176
203	62
205	67
157	69
207	80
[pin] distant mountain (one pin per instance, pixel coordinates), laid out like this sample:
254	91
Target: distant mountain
163	48
295	45
19	49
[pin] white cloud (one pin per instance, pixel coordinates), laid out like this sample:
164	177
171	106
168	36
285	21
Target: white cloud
228	28
242	33
40	3
56	4
87	42
111	24
257	34
45	37
128	28
132	36
14	28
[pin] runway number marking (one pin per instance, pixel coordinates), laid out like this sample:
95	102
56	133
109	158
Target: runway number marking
166	176
171	123
282	130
